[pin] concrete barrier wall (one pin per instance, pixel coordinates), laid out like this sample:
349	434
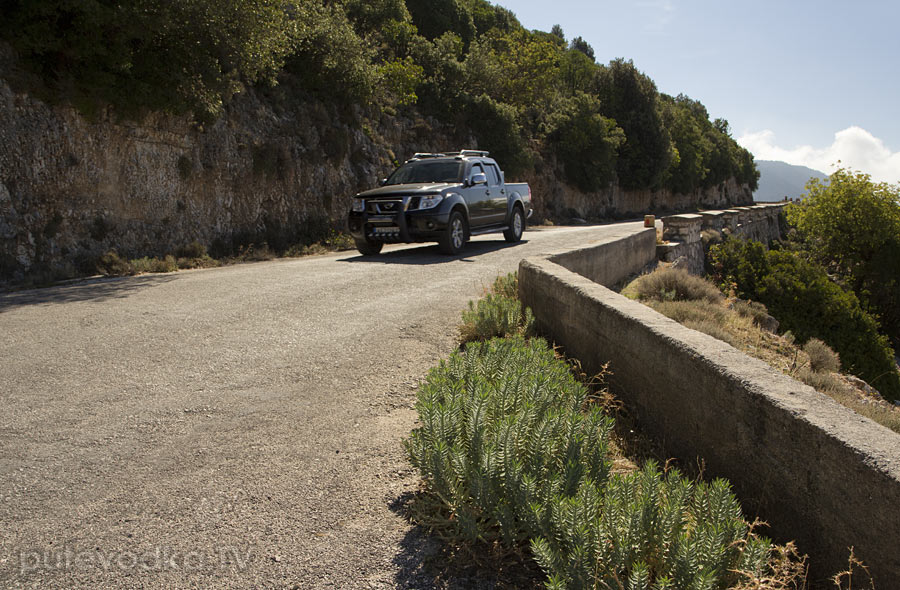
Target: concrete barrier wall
816	471
609	261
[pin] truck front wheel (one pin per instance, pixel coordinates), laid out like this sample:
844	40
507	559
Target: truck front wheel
367	248
454	237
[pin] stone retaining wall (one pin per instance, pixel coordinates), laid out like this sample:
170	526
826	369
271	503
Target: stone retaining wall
816	471
682	234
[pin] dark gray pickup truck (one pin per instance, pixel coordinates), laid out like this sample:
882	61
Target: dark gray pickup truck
443	198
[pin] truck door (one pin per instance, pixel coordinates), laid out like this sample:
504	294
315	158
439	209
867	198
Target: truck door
477	197
496	206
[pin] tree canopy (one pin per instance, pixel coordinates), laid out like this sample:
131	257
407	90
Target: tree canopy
456	60
851	225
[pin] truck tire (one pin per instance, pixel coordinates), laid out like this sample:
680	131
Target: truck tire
454	237
367	248
516	225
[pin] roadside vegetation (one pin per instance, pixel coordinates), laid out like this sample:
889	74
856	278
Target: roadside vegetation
519	462
195	255
747	325
190	256
499	313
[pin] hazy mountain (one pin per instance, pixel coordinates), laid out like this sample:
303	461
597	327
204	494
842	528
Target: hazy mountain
778	180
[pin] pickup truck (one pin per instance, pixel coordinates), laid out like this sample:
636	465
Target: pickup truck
443	198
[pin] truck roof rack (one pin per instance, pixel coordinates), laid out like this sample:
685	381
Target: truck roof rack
461	154
419	156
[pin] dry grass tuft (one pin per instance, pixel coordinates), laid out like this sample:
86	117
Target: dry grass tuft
821	356
673	284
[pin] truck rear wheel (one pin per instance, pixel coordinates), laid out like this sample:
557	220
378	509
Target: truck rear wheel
454	237
367	248
516	225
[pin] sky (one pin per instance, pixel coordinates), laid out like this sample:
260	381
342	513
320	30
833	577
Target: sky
808	83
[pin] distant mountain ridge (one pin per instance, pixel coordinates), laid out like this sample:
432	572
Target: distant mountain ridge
778	180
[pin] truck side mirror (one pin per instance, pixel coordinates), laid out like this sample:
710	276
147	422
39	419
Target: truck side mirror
478	179
382	182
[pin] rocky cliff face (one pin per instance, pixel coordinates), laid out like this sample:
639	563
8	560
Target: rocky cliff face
71	189
555	199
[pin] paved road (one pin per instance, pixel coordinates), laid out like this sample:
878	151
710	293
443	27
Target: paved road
233	427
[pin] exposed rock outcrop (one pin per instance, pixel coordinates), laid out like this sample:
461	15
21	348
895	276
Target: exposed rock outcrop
72	188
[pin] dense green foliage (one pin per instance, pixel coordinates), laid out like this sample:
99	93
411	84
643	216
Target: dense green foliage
528	96
851	225
150	54
512	450
808	304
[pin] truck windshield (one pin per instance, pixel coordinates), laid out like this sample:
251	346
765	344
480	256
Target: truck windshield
424	171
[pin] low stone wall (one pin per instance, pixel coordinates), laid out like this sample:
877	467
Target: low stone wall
816	471
682	233
622	255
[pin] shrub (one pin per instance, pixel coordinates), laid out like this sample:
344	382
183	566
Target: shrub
147	264
757	312
821	356
673	284
507	286
495	315
808	304
193	250
502	428
647	528
512	451
499	313
111	265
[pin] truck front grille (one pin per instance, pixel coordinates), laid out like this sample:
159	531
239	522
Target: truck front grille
386	206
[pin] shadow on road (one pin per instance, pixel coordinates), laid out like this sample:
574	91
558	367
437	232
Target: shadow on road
431	255
424	562
89	290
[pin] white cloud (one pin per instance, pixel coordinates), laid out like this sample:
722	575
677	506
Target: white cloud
853	147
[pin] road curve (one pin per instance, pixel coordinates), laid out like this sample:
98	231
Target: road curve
233	427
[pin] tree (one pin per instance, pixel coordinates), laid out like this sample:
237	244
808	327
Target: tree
851	225
579	44
557	31
631	98
587	143
436	17
183	56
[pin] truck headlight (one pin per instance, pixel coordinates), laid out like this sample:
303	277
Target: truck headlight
430	201
359	205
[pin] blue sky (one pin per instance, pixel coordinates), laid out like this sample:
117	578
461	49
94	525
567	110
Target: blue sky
805	82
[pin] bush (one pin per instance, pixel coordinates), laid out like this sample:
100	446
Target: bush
147	264
111	265
193	250
757	312
499	313
495	315
821	356
808	304
512	451
673	284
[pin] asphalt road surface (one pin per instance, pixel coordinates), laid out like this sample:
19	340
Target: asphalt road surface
234	427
